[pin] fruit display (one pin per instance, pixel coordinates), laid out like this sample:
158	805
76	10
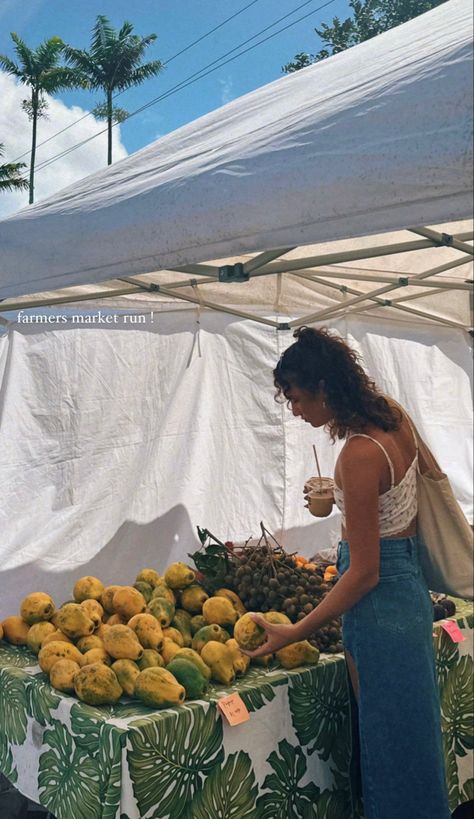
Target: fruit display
264	577
161	644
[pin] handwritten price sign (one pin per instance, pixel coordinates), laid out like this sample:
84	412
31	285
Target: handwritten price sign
234	709
452	628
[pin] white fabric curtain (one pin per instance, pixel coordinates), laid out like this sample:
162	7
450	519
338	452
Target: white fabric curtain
116	442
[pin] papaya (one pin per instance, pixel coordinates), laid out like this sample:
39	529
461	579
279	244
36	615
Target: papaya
15	630
175	635
179	575
263	661
37	633
116	620
127	672
94	610
219	610
158	688
128	602
162	590
169	650
149	659
193	657
240	661
219	659
106	598
276	617
192	599
36	607
55	636
197	622
145	589
74	621
182	621
122	643
233	598
62	675
148	630
85	644
189	676
212	632
96	655
87	588
296	654
162	609
57	650
149	576
248	634
101	630
97	684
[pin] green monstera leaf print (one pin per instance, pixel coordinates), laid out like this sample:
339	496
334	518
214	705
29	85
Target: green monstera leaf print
229	791
171	755
7	766
110	767
40	698
286	799
319	705
457	710
256	688
330	805
68	778
13	707
446	657
16	656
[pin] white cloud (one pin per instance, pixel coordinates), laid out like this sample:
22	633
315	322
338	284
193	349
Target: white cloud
15	133
226	90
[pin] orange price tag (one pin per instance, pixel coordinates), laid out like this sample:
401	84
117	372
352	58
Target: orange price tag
234	709
452	628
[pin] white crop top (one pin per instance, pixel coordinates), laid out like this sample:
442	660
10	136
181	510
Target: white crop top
398	505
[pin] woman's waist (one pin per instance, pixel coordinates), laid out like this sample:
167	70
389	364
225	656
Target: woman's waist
396	555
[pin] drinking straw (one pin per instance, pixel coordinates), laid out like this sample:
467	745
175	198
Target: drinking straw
317	467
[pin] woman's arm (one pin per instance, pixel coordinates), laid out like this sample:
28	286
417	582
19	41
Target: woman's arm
361	467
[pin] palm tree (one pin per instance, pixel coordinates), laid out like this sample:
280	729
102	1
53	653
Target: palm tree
39	69
10	175
112	64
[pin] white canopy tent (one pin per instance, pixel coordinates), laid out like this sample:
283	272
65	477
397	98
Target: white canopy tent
303	202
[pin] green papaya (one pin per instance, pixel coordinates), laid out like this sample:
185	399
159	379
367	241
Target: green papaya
182	621
189	676
162	609
213	632
197	622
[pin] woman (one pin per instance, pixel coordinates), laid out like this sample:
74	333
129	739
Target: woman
387	622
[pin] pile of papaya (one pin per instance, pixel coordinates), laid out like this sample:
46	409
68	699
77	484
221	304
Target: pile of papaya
161	640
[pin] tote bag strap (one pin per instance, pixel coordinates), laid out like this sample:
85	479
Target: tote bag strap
427	463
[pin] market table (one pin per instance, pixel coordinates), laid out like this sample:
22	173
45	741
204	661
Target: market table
289	761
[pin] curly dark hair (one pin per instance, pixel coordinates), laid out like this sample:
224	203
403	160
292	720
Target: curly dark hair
321	356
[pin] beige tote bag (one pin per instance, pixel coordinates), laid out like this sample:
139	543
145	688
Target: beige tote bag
445	537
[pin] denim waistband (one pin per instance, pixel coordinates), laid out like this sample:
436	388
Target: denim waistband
394	554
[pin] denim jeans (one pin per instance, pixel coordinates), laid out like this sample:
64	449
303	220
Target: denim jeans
388	633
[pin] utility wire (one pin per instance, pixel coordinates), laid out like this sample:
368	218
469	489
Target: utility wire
200	74
167	62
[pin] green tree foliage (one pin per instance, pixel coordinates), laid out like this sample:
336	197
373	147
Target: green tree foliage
10	175
113	63
40	70
369	18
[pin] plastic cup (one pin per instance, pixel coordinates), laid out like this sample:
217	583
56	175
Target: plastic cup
320	496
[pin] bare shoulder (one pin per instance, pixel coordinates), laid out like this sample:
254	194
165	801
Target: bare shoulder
358	456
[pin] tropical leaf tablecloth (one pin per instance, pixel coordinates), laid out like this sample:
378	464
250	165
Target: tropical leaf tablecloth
289	761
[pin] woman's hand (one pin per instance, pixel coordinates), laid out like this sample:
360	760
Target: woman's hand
277	636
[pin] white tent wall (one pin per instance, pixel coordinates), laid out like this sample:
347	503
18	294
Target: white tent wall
116	442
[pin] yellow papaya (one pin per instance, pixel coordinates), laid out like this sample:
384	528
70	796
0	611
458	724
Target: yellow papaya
234	599
219	610
150	576
175	635
150	659
96	655
127	672
87	588
55	636
148	630
106	598
52	652
15	630
169	650
94	610
276	617
248	634
297	654
122	643
158	688
36	607
37	633
85	644
240	661
179	575
212	632
219	659
97	684
192	598
74	621
162	609
162	590
128	602
62	675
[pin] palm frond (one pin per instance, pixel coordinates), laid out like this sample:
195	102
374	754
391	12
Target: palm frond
142	73
10	175
125	31
102	33
61	77
24	54
9	66
48	53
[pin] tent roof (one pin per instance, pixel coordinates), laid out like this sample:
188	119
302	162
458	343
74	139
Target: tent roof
350	147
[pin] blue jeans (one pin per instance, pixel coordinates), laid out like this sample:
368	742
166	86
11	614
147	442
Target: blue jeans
388	633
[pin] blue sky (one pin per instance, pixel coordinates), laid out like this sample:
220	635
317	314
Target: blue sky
177	23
